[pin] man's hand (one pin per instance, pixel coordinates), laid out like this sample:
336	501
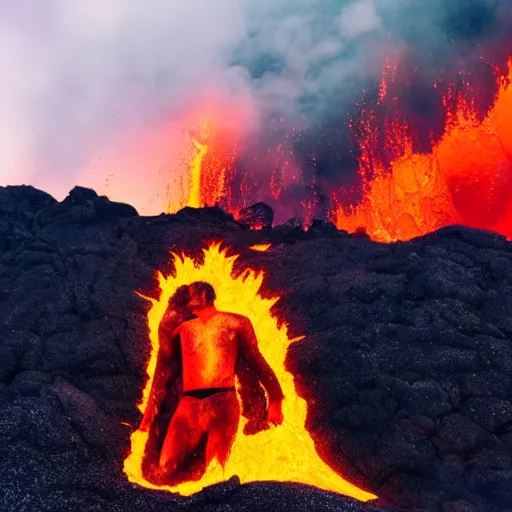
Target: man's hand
275	413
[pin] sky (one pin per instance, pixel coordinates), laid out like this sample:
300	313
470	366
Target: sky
101	93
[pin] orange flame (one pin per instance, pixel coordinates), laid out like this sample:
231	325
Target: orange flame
284	453
260	247
467	179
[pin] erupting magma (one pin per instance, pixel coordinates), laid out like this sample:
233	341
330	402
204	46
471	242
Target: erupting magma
465	179
285	453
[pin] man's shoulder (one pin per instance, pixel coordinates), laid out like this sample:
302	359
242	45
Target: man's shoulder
186	323
235	317
170	320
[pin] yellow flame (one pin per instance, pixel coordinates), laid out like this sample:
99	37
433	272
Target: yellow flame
283	453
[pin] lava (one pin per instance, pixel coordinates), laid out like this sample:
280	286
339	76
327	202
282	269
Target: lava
194	198
260	247
465	179
283	453
210	172
203	177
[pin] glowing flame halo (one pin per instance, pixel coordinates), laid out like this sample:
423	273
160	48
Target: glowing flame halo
284	453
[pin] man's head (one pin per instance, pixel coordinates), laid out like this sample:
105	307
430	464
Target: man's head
180	298
202	295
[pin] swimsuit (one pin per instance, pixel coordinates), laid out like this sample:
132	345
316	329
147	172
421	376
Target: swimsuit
205	393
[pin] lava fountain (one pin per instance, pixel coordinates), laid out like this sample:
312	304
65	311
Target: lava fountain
466	179
207	165
285	453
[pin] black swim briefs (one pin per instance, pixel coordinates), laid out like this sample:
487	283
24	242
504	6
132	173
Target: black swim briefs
205	393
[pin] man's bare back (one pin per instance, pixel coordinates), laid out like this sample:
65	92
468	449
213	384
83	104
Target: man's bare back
211	346
210	350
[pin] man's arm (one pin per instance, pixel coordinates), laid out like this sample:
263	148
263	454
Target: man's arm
167	334
167	337
252	355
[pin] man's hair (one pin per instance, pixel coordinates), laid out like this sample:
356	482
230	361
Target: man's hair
203	287
180	298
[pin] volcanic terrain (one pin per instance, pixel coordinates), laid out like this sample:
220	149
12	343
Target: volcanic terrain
406	363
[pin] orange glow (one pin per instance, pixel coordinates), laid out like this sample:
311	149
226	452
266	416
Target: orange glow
284	453
189	160
208	176
135	168
260	247
194	197
466	179
149	166
410	200
204	179
501	114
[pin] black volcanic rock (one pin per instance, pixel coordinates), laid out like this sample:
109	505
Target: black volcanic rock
81	206
258	216
18	206
406	365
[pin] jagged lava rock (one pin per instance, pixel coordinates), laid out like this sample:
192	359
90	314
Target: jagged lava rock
258	216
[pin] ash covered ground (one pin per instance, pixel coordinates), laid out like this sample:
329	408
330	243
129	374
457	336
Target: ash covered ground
406	364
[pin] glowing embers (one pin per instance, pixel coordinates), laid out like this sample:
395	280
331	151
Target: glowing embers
466	179
283	453
260	247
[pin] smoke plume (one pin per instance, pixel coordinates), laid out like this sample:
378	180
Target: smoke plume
101	94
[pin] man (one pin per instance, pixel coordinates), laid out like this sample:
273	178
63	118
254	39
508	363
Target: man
211	346
166	388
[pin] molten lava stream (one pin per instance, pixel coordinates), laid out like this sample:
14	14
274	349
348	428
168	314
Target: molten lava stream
283	453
